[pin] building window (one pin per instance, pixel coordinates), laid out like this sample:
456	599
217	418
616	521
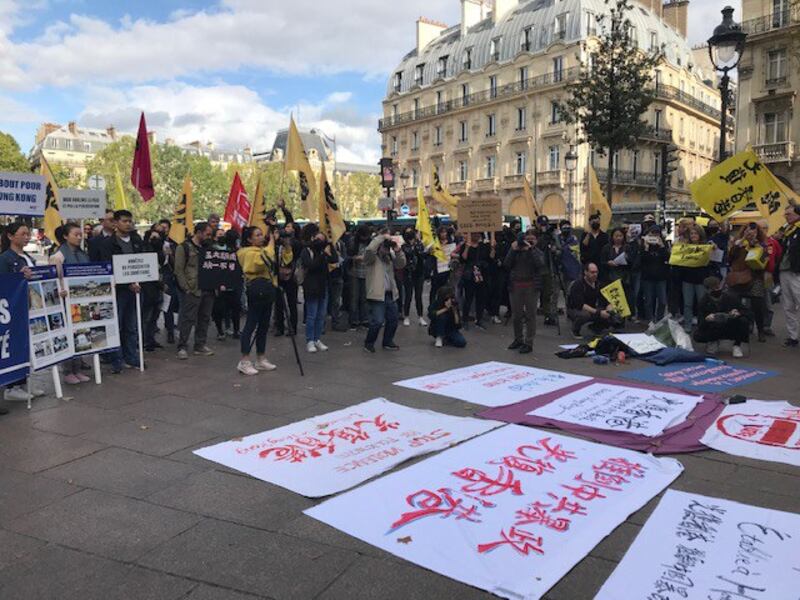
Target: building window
439	102
468	58
462	170
522	118
682	130
490	167
398	81
463	131
491	125
494	49
774	128
437	135
394	145
633	35
441	67
523	78
414	140
526	41
520	163
493	86
657	165
465	93
560	26
414	177
779	13
555	116
776	66
416	107
657	119
591	24
554	158
395	110
68	144
87	147
635	163
418	74
653	41
558	68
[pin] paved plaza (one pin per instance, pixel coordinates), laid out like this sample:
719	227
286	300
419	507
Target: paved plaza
101	497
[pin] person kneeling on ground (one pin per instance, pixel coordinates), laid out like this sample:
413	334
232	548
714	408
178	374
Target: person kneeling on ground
585	304
445	319
722	316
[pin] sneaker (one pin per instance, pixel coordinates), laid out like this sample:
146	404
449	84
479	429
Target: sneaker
204	351
369	348
406	322
391	347
515	345
82	378
439	342
712	348
221	337
496	320
262	364
37	392
480	326
17	394
245	367
737	352
71	379
549	321
525	349
311	347
320	346
790	343
423	322
183	354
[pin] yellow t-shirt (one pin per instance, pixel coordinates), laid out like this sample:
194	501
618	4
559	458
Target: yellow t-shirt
259	263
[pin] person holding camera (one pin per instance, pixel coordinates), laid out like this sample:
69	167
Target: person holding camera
289	249
526	266
721	316
548	245
586	305
381	258
413	276
655	273
746	276
315	258
445	319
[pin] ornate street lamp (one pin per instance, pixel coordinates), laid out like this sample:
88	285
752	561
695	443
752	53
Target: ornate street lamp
725	48
570	163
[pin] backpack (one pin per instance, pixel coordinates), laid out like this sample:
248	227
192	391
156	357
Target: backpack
300	269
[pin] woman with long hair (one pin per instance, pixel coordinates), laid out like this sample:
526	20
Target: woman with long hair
258	261
441	268
315	258
691	278
746	276
414	276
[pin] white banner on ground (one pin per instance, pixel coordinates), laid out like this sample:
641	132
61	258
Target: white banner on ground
510	512
50	334
641	343
758	429
620	408
135	268
333	452
82	204
493	383
700	548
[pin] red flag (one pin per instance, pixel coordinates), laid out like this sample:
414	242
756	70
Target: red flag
237	212
141	173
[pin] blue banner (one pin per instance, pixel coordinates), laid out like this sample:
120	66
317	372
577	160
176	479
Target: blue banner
15	353
89	269
42	273
700	377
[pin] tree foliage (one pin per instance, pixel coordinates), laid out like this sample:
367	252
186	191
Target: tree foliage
614	90
11	157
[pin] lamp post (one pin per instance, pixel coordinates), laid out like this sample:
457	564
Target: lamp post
725	48
571	163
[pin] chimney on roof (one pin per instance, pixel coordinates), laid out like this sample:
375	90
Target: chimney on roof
676	15
72	126
112	132
427	31
46	129
151	138
472	13
209	146
502	8
654	6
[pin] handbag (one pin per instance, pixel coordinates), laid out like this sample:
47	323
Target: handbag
737	278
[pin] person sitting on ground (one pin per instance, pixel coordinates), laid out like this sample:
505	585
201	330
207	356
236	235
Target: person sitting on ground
525	264
445	319
585	304
722	316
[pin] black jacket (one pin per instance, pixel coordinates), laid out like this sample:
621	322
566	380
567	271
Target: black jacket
315	262
591	253
726	302
525	266
791	249
581	293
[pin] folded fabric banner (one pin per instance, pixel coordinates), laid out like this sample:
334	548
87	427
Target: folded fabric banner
705	377
679	438
697	547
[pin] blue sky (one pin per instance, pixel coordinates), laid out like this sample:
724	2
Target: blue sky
229	71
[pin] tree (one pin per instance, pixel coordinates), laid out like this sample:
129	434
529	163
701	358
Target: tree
11	157
357	194
614	90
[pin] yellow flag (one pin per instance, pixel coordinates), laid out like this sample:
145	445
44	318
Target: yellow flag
531	208
259	212
330	218
732	185
615	294
690	255
52	216
121	201
297	160
597	201
772	205
184	214
439	193
424	228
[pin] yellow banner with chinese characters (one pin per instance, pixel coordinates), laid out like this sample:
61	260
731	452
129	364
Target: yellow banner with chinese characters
690	255
732	185
615	294
772	205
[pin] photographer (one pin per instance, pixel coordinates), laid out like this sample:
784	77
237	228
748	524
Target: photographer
475	255
525	264
546	242
414	275
381	258
586	304
315	258
289	249
445	319
721	316
359	312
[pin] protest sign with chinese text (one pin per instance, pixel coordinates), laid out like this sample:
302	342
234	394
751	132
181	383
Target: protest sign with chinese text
697	547
691	255
219	268
333	452
620	408
614	292
493	383
50	336
14	334
758	429
511	511
92	307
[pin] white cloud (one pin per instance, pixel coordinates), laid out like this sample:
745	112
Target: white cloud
705	15
14	112
339	97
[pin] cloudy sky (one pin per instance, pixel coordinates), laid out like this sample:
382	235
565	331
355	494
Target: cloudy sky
229	71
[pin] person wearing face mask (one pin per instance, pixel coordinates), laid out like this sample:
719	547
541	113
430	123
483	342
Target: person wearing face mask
569	255
382	258
593	242
721	316
359	314
413	276
315	258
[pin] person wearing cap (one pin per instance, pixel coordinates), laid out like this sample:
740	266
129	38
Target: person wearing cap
649	221
569	255
547	245
721	316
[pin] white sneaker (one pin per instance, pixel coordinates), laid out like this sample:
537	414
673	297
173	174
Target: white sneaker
439	342
262	364
17	394
406	322
712	348
423	322
496	320
311	347
245	367
320	346
737	352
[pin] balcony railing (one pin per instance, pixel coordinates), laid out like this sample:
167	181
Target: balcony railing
513	181
657	134
457	187
487	184
669	92
780	152
629	177
777	20
552	177
775	81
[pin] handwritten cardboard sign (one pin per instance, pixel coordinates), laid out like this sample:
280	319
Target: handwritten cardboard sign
478	215
614	292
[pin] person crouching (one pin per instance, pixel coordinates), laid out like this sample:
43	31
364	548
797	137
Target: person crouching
445	319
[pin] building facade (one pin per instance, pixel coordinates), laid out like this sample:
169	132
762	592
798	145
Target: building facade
478	102
768	116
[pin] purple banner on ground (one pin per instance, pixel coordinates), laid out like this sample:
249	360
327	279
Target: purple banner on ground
700	377
680	438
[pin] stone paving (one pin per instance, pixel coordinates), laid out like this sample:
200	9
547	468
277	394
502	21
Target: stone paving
101	497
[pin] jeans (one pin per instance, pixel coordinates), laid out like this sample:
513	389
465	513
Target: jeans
476	291
259	311
450	336
128	330
227	305
195	314
382	314
690	292
580	318
655	299
316	311
359	312
290	289
635	285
